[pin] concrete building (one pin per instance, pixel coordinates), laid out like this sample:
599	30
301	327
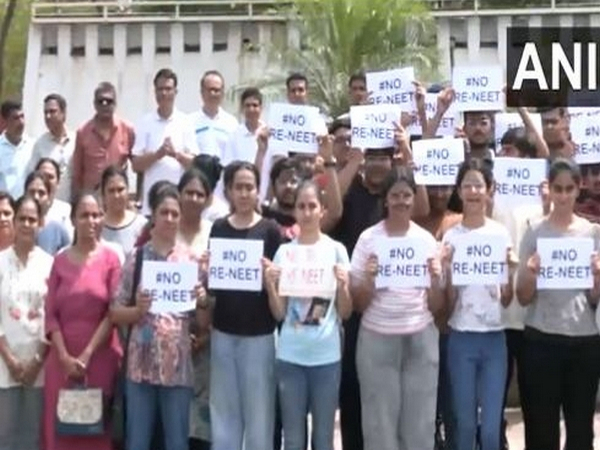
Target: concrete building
73	45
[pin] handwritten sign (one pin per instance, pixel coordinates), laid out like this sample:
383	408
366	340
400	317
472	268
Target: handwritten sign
507	121
305	272
235	264
392	87
294	128
565	263
403	263
518	181
437	160
585	132
373	125
480	259
478	88
447	124
170	285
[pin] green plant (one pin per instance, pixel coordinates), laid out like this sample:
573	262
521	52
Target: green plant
340	37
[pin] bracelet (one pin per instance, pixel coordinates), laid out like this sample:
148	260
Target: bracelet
329	164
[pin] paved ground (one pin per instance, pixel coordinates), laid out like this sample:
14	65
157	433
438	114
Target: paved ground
515	431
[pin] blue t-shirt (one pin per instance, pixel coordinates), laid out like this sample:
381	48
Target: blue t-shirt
310	335
53	237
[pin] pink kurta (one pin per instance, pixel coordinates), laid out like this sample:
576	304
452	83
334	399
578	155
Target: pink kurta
78	299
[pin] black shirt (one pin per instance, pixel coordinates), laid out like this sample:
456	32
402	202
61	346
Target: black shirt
287	223
242	312
362	209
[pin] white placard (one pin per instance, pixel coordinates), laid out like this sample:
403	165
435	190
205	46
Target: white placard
403	262
392	87
518	181
373	125
585	132
235	264
478	88
437	160
447	124
306	273
294	128
507	121
576	113
170	285
565	263
480	259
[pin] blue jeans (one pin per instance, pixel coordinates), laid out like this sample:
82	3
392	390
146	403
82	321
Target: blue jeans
304	389
477	372
242	391
144	402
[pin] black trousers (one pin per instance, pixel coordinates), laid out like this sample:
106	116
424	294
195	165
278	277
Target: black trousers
350	410
514	345
559	373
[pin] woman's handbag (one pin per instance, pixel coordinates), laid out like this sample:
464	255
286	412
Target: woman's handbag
80	412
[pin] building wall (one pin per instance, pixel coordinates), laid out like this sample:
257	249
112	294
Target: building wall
73	59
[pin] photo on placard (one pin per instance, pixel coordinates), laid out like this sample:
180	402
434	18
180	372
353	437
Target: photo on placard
317	311
309	311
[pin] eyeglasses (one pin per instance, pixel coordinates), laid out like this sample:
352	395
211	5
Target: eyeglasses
105	101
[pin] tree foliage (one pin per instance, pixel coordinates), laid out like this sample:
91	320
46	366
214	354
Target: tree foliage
340	37
12	65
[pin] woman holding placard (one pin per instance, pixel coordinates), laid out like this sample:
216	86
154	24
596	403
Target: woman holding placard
159	372
311	308
242	379
477	355
560	359
397	354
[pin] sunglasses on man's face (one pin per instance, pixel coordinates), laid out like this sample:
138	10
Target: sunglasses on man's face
105	101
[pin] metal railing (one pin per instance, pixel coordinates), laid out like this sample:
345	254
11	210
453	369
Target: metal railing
264	10
155	10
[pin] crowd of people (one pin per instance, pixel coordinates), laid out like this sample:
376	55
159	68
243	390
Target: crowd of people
408	367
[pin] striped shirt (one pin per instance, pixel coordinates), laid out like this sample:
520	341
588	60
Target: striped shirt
393	310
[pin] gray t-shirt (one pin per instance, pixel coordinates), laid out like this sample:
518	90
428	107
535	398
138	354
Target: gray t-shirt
565	312
126	235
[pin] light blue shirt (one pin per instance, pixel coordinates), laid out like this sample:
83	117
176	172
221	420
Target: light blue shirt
310	335
13	164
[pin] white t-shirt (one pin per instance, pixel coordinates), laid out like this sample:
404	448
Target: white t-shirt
150	134
212	134
392	310
242	146
478	308
516	220
60	212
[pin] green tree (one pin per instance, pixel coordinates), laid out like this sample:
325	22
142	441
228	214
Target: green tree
13	48
340	37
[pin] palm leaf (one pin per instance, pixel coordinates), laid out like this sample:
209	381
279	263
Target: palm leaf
340	37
